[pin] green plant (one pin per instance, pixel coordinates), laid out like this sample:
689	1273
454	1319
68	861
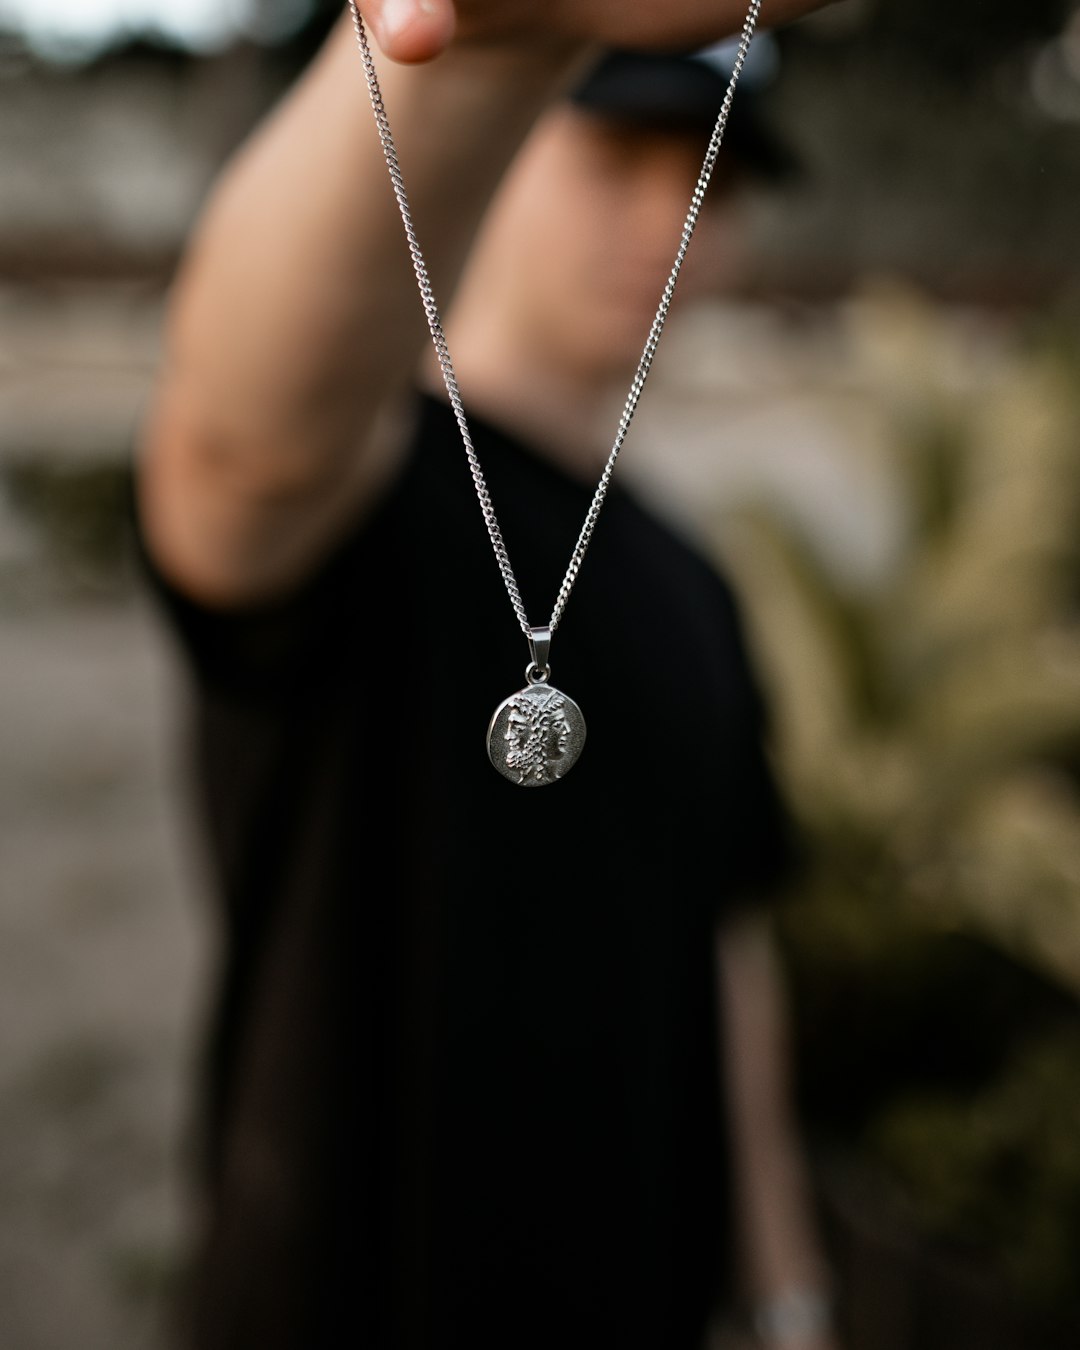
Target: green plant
928	728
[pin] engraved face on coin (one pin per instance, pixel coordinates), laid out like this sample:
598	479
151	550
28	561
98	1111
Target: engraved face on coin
536	735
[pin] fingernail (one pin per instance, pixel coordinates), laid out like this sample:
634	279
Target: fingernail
397	15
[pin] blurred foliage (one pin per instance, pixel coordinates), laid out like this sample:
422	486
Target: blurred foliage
78	515
928	727
959	39
1000	1171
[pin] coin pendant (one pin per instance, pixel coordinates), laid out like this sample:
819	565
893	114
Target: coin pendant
536	735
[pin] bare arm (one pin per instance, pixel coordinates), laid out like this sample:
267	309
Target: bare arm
294	327
779	1243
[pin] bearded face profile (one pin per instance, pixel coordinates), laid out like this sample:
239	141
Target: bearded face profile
537	735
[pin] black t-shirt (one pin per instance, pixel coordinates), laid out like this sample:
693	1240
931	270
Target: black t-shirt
463	1085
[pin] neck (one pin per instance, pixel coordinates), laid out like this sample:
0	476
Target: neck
564	414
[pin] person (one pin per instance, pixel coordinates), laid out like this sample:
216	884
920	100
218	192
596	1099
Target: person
489	1065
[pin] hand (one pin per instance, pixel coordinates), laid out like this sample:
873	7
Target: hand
411	31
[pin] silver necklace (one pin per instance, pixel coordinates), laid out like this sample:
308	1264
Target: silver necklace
536	735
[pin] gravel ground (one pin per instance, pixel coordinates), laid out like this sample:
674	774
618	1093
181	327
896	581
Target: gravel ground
102	951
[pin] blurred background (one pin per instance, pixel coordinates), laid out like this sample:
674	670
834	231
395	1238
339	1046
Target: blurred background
877	431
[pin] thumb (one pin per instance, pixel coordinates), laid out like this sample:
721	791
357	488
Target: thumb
410	31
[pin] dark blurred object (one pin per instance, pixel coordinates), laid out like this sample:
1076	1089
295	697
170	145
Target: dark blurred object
685	93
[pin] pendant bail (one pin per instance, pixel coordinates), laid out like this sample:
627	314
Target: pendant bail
539	649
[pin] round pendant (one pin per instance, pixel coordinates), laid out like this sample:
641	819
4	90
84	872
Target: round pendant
536	735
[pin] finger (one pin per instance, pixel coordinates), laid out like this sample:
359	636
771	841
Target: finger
410	31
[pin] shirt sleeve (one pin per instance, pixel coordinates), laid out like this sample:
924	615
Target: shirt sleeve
260	653
768	855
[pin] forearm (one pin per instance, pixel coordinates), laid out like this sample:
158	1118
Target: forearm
294	320
296	303
779	1242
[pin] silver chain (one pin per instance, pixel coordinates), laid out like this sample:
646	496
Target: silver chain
442	352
